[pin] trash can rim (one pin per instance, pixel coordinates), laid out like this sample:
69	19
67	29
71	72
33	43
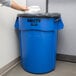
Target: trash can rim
40	15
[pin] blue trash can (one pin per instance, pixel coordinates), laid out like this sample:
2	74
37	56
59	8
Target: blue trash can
38	41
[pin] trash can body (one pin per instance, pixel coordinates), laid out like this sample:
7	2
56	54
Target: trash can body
38	51
38	43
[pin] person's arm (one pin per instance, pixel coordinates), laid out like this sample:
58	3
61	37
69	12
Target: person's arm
13	4
18	6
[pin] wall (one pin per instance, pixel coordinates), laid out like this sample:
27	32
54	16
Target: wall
66	37
8	38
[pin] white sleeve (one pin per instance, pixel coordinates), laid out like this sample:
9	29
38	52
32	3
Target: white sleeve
6	2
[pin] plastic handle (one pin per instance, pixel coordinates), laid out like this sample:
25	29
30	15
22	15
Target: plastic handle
59	24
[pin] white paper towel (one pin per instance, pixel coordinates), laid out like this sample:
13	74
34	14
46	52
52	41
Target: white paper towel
33	9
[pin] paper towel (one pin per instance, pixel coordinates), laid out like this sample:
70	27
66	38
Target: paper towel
33	9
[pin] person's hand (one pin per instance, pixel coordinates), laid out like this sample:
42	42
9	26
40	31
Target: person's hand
24	8
18	6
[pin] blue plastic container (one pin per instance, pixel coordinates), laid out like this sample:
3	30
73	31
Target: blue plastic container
38	41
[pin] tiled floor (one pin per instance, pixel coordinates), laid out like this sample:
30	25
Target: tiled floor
62	69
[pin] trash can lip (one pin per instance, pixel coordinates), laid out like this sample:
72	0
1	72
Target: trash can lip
40	15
